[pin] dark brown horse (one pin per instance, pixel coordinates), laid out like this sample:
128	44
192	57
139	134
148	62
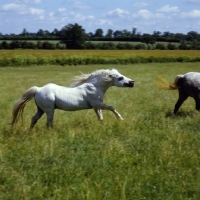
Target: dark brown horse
188	85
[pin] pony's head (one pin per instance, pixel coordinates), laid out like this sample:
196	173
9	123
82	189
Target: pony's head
120	80
112	76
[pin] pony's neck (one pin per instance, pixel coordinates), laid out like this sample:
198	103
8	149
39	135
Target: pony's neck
100	84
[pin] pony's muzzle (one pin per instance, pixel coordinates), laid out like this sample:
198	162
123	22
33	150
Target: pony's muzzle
130	84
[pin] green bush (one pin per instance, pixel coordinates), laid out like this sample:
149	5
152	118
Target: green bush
28	60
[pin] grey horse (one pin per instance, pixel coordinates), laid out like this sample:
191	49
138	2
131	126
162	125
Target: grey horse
188	85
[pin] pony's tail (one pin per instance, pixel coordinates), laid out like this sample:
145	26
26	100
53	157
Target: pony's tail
164	84
21	103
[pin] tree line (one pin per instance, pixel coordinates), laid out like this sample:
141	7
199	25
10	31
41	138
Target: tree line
73	36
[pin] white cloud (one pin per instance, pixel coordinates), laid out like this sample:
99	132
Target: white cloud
28	1
13	7
80	17
22	9
51	14
147	15
79	5
140	4
103	22
37	1
61	9
22	1
35	11
167	8
41	17
117	13
193	14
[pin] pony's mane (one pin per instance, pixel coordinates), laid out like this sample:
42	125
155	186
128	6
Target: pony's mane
84	77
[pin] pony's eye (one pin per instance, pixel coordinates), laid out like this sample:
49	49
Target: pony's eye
121	78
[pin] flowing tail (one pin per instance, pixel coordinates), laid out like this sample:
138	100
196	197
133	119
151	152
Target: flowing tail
164	84
21	103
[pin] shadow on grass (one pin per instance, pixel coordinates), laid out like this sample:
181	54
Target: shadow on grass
181	114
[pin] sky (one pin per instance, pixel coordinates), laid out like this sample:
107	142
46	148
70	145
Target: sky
147	16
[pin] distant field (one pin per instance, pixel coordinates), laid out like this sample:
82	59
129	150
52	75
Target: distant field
101	53
151	155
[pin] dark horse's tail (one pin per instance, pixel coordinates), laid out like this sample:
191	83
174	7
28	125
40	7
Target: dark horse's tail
20	104
164	84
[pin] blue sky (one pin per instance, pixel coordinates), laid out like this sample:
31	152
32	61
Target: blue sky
175	16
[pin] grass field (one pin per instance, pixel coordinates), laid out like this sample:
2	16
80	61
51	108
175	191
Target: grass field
100	53
150	155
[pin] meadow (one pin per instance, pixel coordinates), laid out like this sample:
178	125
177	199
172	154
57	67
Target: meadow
99	53
151	154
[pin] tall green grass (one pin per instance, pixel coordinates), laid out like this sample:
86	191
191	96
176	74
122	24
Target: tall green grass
150	155
19	60
79	57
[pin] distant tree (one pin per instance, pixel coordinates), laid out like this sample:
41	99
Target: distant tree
129	46
89	45
140	46
73	36
160	46
126	33
180	36
192	35
15	44
99	33
46	33
134	30
156	34
166	34
194	44
24	32
5	45
120	46
109	33
40	33
24	45
148	39
48	45
171	46
39	45
90	35
55	32
117	34
183	45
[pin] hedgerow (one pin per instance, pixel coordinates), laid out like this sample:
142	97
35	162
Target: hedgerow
18	60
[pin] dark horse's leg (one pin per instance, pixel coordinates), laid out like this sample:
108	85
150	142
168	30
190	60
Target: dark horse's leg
182	97
197	100
37	116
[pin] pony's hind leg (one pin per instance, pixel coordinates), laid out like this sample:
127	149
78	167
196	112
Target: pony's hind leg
37	116
50	115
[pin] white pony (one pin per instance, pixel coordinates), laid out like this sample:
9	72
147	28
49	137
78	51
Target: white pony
87	92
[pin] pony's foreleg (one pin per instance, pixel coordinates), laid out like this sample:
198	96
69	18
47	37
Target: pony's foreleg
35	118
106	107
99	113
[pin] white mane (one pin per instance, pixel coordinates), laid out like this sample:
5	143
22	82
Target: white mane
102	72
